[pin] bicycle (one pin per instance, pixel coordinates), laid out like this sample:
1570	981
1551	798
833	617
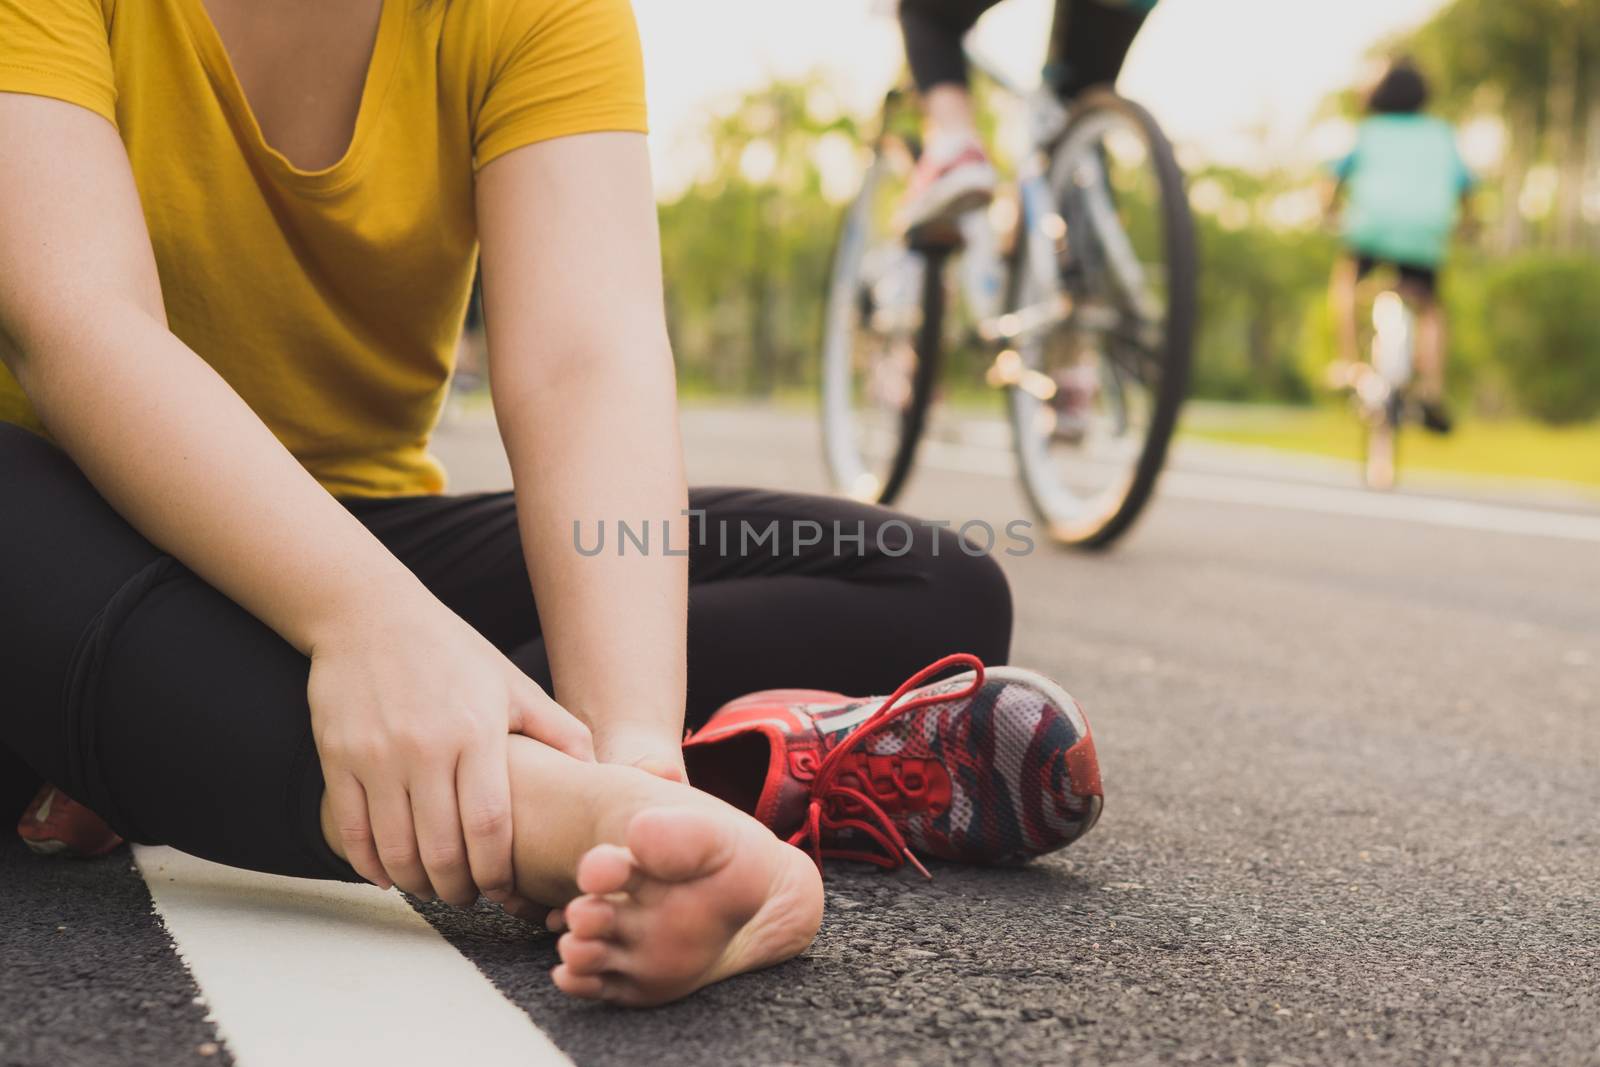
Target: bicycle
1080	288
1379	388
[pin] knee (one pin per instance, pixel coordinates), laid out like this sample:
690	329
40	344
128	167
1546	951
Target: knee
971	594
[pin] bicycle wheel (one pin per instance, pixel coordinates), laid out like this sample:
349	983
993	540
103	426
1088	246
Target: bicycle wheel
1380	459
1393	338
880	341
1108	265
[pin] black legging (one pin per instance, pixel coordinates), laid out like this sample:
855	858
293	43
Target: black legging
1090	54
177	716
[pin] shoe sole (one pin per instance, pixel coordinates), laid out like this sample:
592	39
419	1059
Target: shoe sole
953	195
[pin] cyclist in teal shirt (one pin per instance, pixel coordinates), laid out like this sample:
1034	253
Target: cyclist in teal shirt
1402	187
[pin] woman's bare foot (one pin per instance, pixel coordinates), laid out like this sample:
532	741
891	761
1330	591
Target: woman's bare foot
667	889
695	895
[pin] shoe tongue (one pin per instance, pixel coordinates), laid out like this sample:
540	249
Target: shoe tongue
835	724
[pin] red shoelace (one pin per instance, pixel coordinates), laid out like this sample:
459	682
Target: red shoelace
839	803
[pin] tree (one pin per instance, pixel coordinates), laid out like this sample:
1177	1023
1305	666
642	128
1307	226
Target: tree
1537	64
746	247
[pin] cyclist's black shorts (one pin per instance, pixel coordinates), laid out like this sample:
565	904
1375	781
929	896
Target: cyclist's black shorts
146	694
1423	279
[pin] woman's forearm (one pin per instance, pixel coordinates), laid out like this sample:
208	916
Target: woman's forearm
590	450
189	465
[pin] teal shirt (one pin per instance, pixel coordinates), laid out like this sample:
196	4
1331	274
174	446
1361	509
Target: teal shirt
1403	183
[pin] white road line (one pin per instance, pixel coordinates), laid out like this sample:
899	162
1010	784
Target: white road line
1327	500
1432	511
301	973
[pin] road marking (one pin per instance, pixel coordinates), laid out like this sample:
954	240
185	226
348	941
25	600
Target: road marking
1326	500
301	973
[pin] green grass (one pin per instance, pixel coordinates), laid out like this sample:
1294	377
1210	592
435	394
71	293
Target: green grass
1500	448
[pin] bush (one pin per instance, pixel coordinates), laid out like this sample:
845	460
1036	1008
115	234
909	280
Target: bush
1541	316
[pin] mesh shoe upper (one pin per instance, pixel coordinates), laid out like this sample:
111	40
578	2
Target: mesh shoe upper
986	767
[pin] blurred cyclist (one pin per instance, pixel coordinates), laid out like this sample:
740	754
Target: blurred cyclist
1402	188
954	175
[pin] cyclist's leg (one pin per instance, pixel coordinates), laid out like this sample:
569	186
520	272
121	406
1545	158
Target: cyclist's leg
1090	40
1420	285
953	173
767	608
933	30
1348	271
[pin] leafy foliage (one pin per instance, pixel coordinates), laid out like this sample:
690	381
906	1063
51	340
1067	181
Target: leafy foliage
1543	323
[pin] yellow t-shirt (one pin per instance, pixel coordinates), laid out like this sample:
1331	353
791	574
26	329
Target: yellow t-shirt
330	300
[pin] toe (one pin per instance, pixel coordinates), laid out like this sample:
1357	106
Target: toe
586	986
583	956
592	917
678	844
606	869
556	921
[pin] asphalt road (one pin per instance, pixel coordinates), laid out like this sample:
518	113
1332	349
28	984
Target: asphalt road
1352	765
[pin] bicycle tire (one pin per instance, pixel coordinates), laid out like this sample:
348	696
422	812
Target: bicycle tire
838	439
1380	454
1178	334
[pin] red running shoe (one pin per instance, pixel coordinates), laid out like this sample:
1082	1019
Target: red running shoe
990	766
56	825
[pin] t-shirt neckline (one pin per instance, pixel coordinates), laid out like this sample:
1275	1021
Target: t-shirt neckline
225	79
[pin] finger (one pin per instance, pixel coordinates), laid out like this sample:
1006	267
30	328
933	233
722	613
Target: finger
544	720
483	790
556	921
440	844
347	804
396	839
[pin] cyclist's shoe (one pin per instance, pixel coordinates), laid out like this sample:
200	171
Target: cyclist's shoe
1436	416
56	825
990	766
952	177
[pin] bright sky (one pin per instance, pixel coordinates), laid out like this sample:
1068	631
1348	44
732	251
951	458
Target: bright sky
1235	81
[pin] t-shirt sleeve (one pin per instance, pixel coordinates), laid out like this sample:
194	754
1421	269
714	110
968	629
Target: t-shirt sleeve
559	67
59	49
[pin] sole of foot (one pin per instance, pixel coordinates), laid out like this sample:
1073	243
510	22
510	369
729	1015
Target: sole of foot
692	897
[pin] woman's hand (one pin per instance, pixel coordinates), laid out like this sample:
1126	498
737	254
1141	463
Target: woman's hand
411	711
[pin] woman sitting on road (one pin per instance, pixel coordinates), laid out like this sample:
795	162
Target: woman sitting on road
240	616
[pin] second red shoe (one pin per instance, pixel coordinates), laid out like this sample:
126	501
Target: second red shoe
56	825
